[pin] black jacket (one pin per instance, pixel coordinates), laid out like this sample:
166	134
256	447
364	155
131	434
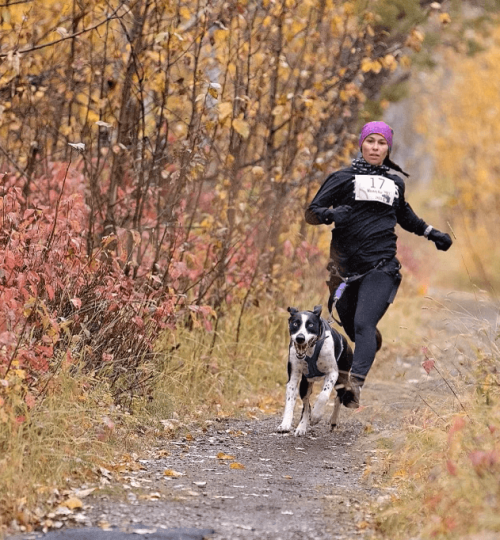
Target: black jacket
367	236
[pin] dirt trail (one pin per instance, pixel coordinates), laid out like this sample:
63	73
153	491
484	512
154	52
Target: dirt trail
290	488
313	487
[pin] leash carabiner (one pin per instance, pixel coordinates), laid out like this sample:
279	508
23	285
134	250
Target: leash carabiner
336	297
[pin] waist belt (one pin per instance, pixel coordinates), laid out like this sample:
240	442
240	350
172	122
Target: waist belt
354	277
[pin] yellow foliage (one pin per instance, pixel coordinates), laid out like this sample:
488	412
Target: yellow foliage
225	110
461	121
241	127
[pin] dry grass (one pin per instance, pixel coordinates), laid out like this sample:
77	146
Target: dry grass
443	470
63	440
447	475
202	377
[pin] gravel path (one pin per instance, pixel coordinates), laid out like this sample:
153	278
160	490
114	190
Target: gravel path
289	488
241	480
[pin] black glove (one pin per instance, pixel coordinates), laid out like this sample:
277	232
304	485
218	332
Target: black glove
442	240
339	215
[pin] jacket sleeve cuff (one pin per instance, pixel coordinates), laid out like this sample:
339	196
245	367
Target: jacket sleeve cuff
428	230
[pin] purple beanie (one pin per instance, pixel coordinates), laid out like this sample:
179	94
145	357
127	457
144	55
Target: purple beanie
377	127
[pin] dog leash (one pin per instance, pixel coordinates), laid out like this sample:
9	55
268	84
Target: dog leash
336	297
339	291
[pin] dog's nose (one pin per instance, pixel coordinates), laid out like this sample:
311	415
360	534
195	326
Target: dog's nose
300	339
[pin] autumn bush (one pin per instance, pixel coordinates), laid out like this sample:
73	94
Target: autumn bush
206	127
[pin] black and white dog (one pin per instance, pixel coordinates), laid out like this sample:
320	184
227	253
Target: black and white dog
316	352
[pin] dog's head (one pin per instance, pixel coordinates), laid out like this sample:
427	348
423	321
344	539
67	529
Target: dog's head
305	328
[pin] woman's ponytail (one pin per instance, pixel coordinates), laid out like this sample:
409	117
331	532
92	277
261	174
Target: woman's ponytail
395	166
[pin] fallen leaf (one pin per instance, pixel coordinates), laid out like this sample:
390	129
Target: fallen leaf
72	503
150	496
82	493
222	455
444	18
428	365
287	477
172	473
236	465
106	473
168	425
245	527
62	511
104	525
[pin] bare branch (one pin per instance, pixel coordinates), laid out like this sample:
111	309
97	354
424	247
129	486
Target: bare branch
8	4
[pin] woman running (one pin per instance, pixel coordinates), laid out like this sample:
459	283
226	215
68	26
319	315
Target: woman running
365	202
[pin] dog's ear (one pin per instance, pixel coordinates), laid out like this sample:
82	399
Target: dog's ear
292	310
317	310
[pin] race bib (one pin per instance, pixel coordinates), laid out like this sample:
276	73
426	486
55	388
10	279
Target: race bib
375	188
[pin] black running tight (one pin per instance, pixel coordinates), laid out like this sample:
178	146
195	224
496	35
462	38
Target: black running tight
360	308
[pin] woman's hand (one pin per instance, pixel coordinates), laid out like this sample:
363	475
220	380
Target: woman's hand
338	215
443	241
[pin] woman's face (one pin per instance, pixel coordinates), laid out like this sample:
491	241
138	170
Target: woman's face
374	149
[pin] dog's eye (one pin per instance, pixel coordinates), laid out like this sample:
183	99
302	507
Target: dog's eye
310	325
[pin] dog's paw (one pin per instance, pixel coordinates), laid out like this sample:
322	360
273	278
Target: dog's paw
315	420
284	428
332	427
300	431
